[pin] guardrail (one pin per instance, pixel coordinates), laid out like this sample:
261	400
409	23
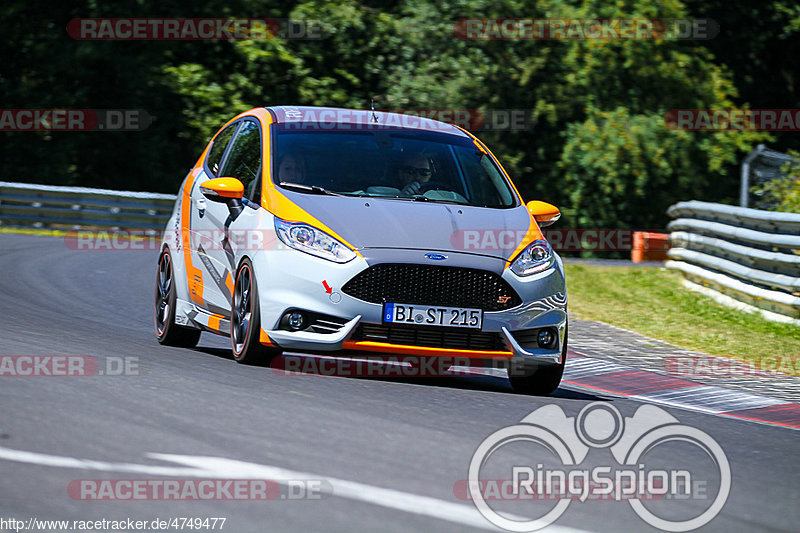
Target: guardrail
23	204
745	258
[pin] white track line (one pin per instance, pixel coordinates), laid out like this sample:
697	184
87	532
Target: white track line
221	468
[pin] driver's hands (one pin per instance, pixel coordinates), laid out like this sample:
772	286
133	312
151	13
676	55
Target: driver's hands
412	188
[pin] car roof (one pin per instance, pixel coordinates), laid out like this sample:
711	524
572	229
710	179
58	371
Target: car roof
362	117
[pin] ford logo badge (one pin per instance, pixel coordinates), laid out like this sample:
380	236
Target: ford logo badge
436	257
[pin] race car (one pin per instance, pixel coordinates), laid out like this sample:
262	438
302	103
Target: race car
348	232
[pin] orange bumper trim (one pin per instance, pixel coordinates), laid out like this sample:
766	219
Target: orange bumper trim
370	346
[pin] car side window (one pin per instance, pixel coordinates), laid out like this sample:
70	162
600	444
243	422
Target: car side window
218	149
244	160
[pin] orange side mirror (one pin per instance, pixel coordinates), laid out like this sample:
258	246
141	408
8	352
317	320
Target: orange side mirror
545	214
222	189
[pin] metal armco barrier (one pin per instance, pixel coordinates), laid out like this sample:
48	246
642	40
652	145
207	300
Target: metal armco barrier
23	204
746	258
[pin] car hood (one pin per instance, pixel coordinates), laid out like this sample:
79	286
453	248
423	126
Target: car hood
389	223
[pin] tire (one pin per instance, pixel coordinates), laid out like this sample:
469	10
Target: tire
246	320
539	380
168	332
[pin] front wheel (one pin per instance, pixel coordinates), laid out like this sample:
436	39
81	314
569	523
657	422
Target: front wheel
246	319
539	380
168	332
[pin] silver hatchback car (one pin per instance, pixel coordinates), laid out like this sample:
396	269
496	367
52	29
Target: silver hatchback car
353	231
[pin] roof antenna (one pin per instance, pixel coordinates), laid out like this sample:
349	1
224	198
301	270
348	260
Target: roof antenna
372	107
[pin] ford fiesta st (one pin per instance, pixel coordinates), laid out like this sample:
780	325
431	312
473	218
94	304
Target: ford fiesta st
352	231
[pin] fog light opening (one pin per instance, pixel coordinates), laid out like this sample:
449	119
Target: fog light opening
546	338
295	320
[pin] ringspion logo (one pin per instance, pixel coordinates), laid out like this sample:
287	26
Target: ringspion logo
639	447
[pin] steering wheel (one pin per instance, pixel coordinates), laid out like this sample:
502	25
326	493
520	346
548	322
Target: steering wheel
433	185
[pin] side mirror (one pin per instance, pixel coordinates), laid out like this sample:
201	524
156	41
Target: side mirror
227	191
545	214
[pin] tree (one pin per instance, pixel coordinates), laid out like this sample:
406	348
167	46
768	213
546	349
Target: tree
581	94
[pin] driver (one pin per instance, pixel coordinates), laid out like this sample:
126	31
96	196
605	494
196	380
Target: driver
292	168
412	171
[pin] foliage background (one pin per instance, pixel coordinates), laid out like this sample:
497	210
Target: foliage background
782	194
599	147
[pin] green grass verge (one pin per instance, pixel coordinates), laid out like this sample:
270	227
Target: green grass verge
652	301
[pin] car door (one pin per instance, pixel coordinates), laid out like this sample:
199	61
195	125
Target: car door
242	161
207	228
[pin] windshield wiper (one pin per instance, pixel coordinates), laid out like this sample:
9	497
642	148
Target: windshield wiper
314	189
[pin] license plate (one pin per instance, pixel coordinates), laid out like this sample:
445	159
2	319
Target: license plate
424	315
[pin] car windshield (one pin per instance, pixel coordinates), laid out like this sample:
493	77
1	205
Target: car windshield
392	163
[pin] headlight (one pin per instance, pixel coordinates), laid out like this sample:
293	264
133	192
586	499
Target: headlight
538	256
313	241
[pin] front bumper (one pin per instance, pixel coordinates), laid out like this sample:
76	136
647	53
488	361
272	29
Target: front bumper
295	281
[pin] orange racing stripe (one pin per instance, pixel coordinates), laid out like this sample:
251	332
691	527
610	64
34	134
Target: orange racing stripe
213	321
274	200
229	283
194	276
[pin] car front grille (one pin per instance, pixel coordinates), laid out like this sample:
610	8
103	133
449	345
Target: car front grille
431	337
432	285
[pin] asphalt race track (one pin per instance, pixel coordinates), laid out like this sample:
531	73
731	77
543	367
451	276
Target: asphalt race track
385	453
